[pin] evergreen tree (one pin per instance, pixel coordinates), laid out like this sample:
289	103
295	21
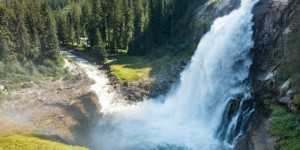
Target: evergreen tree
96	21
5	52
76	19
115	25
100	47
62	26
49	42
22	37
128	23
85	17
33	22
135	45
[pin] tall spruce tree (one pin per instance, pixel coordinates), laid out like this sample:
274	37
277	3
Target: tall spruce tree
85	18
76	21
22	37
49	42
62	26
135	45
5	35
100	47
128	22
95	22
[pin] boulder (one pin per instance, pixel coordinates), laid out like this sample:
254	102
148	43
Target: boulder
285	86
2	88
85	108
285	100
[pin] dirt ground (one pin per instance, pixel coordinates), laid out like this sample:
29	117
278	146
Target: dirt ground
45	108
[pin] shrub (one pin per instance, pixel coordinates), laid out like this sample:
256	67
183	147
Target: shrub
27	85
34	54
68	74
287	126
11	87
296	99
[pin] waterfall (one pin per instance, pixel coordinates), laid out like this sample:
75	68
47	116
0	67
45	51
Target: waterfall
209	107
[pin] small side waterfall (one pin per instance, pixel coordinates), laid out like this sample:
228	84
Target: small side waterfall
207	110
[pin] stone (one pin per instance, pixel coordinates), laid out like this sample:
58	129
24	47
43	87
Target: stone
286	31
290	93
86	108
285	86
125	84
241	143
293	108
2	87
285	100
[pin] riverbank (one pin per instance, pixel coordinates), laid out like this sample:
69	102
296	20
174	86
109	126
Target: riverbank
135	79
64	107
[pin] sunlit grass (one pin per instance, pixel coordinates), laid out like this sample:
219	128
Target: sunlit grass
133	68
33	141
129	68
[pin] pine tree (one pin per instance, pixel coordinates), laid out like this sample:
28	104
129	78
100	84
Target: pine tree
85	17
96	22
62	26
115	25
128	23
33	22
49	42
138	16
22	37
5	52
100	47
135	45
76	21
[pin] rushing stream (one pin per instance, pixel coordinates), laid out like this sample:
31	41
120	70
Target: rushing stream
194	115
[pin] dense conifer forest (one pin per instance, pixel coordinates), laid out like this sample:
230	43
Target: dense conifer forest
32	32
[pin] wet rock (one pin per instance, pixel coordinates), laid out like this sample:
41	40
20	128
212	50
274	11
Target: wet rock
285	86
241	143
271	26
290	93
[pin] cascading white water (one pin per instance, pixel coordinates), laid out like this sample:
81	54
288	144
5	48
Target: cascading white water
189	116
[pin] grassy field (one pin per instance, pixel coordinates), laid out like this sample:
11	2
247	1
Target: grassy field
129	68
33	141
133	68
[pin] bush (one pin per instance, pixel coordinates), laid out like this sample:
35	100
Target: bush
11	87
287	126
34	54
296	99
68	74
22	73
27	85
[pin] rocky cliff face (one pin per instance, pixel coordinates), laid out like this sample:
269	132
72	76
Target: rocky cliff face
271	30
272	21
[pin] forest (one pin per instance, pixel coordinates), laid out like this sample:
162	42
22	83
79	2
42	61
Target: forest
31	27
32	32
228	67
